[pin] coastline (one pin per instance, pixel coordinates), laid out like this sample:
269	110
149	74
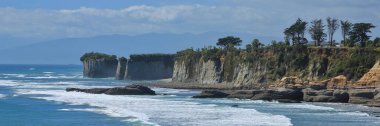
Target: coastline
373	111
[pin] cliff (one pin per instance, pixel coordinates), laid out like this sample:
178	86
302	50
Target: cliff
261	67
372	77
121	67
149	67
98	65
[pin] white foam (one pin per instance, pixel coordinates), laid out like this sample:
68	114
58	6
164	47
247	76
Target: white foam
47	72
306	106
2	96
15	75
173	91
149	110
8	83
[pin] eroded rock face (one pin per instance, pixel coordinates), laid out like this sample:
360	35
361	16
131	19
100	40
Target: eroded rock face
361	96
121	67
149	69
338	82
127	90
200	72
372	77
99	68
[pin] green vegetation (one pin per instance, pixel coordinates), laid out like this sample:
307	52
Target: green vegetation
359	33
294	56
151	57
168	59
316	31
96	55
296	32
229	42
332	26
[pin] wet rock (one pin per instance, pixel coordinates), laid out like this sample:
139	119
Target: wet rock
211	94
311	95
127	90
361	96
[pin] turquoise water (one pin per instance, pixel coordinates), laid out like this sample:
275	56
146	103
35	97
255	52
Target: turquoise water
34	95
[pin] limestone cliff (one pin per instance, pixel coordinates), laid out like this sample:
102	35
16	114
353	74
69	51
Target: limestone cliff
121	67
259	68
98	65
149	67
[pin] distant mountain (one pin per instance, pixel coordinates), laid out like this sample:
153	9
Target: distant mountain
68	51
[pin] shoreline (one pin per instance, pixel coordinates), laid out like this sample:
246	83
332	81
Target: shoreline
230	89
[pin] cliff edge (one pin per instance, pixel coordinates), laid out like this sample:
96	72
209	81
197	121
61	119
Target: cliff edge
99	65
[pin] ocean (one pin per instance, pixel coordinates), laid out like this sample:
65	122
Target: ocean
34	95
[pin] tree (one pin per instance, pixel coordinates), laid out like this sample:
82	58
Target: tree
256	44
316	31
376	42
229	41
359	33
332	25
346	28
296	32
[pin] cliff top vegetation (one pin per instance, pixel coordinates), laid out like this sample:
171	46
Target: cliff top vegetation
151	57
96	55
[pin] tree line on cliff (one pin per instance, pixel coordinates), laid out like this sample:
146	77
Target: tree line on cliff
353	57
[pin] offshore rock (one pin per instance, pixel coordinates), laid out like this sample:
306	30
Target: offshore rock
211	94
127	90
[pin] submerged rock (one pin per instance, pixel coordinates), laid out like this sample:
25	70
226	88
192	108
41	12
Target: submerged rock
211	94
127	90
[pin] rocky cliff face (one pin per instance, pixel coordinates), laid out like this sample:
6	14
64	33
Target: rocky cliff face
149	67
263	67
372	77
99	68
121	67
208	72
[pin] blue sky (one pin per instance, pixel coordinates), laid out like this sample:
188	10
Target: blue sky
53	19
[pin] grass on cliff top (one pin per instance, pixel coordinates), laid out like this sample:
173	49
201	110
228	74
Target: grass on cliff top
151	57
96	55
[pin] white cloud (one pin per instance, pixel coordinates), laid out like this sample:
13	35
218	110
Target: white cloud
263	18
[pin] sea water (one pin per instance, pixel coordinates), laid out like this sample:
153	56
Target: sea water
35	95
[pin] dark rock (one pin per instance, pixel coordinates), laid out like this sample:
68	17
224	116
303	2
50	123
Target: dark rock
279	93
211	94
234	105
311	95
361	96
288	101
242	94
127	90
286	93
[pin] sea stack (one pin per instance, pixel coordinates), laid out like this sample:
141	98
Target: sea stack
99	65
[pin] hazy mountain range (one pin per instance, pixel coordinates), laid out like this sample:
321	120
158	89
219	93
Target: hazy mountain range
69	50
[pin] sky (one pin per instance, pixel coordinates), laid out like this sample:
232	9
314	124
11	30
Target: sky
54	19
